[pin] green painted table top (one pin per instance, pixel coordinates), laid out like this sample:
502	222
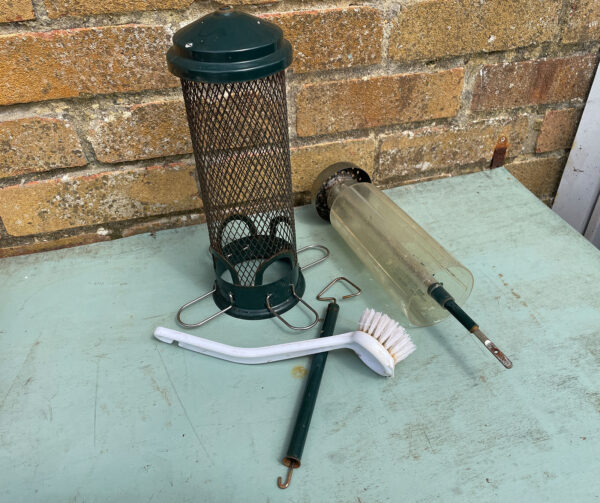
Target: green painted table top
93	408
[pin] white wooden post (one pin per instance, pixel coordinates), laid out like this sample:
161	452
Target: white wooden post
577	200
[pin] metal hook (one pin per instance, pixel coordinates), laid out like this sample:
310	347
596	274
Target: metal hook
291	462
324	249
300	300
331	283
288	480
205	320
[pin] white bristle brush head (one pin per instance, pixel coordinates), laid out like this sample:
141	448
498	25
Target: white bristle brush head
389	333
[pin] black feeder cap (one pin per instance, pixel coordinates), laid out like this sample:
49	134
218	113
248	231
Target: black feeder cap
228	46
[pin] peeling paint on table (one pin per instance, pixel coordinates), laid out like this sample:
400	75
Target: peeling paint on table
92	408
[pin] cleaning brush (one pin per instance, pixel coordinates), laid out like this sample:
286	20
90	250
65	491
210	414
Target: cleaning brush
379	342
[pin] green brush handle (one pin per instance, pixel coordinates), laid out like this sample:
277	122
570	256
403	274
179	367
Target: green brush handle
317	366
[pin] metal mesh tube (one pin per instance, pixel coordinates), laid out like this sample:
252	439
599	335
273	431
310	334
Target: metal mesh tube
239	133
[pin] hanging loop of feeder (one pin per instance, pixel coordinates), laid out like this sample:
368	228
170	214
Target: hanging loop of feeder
287	324
205	320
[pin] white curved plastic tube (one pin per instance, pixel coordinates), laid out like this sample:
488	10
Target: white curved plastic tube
371	352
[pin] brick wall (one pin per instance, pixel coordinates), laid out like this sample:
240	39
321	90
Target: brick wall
94	143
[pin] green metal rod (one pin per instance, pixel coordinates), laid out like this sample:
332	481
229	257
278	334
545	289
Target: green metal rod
317	366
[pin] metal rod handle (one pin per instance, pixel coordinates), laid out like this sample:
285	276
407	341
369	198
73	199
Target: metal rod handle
444	299
309	399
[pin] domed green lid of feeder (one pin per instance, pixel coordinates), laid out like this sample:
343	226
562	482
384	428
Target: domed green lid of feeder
228	46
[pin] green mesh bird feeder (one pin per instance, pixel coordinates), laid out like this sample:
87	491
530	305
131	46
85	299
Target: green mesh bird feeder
231	66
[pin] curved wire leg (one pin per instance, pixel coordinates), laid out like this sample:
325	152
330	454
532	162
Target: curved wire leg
205	320
324	249
293	327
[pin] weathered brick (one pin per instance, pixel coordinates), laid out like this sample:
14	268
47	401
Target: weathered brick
508	85
414	154
59	8
35	144
164	223
432	29
52	244
51	205
332	38
15	10
331	107
149	130
583	21
541	176
309	161
247	2
67	63
558	129
142	132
